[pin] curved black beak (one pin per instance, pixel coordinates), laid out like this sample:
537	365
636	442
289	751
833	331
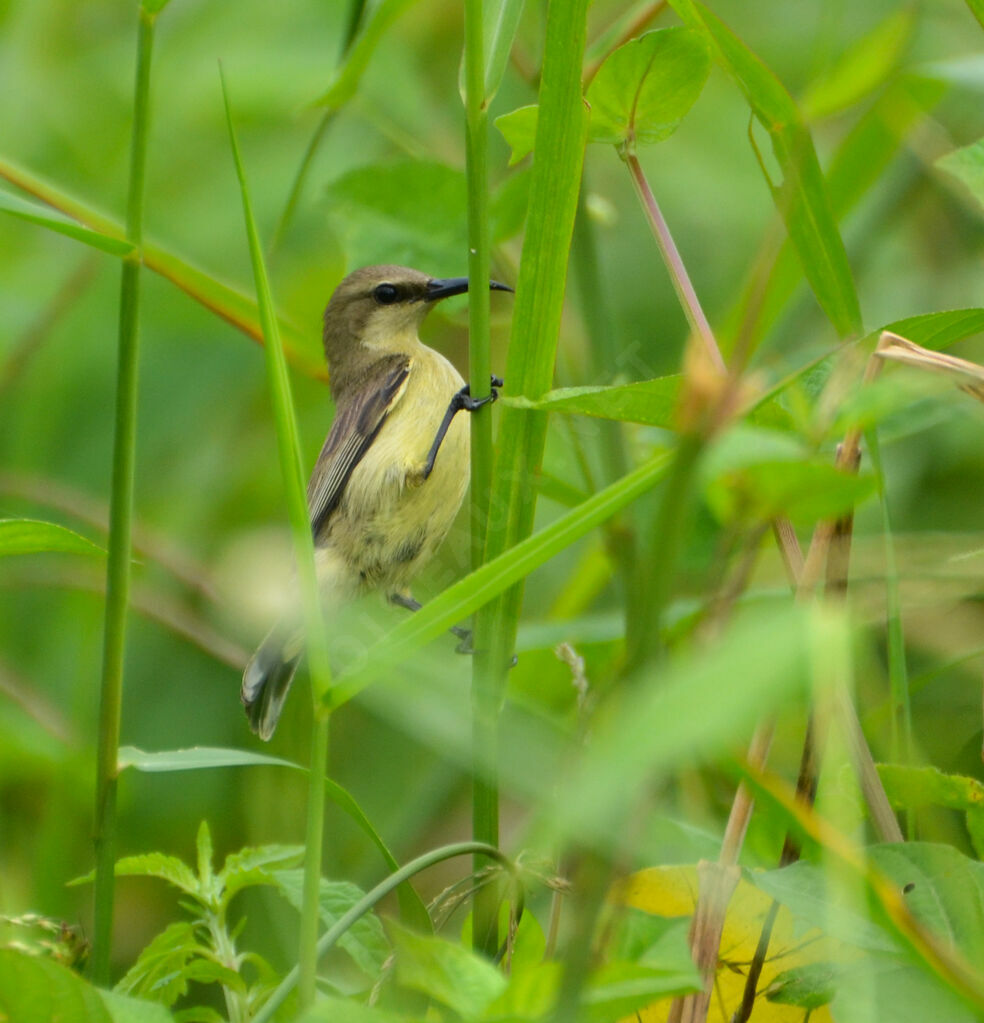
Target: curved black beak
439	288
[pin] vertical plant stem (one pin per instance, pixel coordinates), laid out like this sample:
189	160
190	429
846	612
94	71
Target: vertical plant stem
671	256
485	701
289	450
120	517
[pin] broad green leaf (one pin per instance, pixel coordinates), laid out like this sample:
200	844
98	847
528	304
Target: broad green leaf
518	128
364	941
123	1009
967	166
937	330
801	197
863	66
46	217
159	972
911	787
228	303
477	588
444	971
34	988
645	88
500	20
347	78
809	986
943	889
30	536
648	401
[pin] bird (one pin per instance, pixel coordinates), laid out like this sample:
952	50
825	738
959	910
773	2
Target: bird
394	467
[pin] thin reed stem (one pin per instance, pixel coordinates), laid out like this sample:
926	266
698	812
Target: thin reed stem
485	699
121	517
289	450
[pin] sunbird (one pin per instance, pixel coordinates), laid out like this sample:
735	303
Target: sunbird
394	468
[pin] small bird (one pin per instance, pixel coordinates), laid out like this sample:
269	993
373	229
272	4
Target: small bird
394	468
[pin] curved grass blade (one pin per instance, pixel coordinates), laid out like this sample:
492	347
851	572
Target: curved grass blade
801	197
32	536
35	214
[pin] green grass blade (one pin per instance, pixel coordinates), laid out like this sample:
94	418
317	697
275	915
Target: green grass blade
560	140
501	19
288	445
35	214
801	197
120	517
496	575
977	9
31	536
229	303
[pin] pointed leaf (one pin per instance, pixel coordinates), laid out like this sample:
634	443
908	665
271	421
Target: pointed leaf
31	536
364	941
446	972
159	972
518	128
203	846
801	197
46	217
967	166
645	88
500	20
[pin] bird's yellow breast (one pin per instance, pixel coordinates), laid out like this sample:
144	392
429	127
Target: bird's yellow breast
390	520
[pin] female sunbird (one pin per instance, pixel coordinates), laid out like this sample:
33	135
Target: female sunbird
395	465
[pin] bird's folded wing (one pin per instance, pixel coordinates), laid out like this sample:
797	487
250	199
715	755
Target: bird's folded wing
357	422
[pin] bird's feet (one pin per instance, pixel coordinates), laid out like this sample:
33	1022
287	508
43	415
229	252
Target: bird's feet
466	402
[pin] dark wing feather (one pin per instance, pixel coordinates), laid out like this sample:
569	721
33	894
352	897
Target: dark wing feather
357	422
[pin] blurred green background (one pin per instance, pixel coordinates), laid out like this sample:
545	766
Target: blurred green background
387	185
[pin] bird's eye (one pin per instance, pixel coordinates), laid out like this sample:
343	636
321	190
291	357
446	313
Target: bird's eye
386	294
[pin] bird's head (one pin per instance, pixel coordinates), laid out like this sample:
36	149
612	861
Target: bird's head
378	310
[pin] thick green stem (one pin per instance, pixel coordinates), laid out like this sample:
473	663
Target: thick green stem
120	518
485	796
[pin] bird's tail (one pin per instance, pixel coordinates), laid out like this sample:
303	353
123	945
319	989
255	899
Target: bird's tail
267	679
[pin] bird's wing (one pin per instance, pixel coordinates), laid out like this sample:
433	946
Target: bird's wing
357	422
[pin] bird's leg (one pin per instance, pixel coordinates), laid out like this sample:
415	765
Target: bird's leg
464	635
461	401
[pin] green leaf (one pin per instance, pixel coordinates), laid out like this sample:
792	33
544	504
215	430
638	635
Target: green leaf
364	941
977	9
347	78
33	988
159	972
203	846
444	971
967	166
154	6
160	865
809	986
645	88
123	1009
617	990
801	197
911	787
45	217
31	536
518	128
647	401
943	889
500	19
863	66
255	866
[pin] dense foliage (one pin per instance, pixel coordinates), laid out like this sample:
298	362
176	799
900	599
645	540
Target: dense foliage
726	510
